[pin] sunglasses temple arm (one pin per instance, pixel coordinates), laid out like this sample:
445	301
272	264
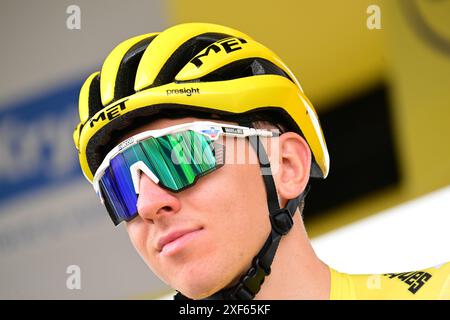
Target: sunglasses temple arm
257	132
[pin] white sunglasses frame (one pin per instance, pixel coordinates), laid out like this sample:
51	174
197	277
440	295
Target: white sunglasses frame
198	126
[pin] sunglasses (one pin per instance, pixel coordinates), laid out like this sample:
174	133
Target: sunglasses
174	158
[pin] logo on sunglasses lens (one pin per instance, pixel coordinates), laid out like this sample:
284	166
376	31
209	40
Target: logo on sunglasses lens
125	143
212	132
233	130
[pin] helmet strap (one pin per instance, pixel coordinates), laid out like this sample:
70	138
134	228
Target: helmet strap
281	223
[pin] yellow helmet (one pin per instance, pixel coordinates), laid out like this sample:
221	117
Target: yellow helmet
193	67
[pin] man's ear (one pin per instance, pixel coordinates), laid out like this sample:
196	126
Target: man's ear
294	164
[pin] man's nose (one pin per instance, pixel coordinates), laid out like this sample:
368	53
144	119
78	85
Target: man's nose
154	202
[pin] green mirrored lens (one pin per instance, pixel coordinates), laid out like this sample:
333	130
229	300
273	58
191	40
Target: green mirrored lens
179	159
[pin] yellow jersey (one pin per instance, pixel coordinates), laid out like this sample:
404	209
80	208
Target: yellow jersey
432	283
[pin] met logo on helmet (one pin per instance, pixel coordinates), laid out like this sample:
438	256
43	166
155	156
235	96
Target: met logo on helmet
228	45
111	113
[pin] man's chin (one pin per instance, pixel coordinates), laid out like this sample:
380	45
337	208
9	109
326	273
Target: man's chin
196	294
202	288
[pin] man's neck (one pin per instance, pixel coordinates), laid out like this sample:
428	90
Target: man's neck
297	273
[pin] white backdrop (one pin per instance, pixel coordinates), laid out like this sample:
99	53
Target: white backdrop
414	235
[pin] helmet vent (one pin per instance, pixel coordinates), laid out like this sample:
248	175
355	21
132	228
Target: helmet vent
183	55
245	68
124	85
95	100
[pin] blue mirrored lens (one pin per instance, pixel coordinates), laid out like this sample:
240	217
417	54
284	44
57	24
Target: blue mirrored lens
177	160
121	171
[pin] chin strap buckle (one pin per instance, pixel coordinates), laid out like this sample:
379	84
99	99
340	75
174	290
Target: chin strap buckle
281	221
250	283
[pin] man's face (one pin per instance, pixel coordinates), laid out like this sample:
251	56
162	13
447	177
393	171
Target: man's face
222	219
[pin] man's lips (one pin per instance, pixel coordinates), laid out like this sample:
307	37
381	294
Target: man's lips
172	236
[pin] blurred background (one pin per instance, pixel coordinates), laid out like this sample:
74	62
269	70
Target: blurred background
378	73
